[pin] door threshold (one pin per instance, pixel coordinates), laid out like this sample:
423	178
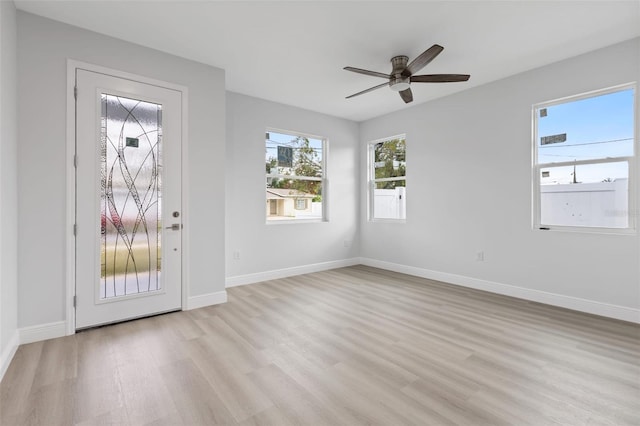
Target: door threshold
156	314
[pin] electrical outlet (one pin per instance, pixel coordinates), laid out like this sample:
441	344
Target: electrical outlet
480	256
236	255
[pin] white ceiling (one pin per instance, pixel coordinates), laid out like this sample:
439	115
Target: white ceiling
294	52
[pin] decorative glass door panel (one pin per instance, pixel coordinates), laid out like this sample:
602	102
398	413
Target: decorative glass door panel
131	193
128	186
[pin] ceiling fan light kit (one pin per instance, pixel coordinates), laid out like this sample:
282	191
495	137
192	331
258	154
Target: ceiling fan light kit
402	75
399	84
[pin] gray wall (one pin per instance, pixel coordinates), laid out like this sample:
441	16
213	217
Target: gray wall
469	188
43	49
267	247
8	177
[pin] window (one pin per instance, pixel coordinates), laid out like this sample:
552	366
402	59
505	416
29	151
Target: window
295	165
584	153
387	179
301	204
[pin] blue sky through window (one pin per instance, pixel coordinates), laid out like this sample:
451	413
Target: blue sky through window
596	128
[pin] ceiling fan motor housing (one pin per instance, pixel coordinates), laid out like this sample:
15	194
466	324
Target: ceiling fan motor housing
399	82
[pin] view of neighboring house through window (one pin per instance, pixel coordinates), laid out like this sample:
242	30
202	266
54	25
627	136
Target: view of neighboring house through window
584	154
295	176
387	179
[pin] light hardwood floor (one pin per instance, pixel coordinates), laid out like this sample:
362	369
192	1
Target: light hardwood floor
345	347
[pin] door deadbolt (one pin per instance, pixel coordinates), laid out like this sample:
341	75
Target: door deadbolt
176	214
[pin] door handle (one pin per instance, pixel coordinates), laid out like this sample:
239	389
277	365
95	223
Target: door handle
174	226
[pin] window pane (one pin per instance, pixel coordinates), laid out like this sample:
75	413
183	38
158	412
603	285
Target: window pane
592	195
389	200
295	202
293	155
389	159
592	128
294	177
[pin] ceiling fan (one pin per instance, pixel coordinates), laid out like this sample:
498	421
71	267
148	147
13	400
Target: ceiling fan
402	75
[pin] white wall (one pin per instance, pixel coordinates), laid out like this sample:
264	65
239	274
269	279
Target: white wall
464	152
8	185
276	246
43	49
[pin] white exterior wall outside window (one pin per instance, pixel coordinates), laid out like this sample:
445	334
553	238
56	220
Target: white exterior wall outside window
584	161
295	165
387	179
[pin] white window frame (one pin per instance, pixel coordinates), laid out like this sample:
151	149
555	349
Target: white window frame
371	179
630	160
323	179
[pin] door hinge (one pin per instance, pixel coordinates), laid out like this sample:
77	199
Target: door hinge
74	301
75	229
75	92
75	161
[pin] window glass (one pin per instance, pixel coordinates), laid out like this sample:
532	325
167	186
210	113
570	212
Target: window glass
294	166
387	179
586	129
584	149
389	158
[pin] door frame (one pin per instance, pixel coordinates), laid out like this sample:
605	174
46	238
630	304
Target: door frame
70	246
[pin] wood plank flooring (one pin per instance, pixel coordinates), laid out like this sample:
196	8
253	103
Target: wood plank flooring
351	346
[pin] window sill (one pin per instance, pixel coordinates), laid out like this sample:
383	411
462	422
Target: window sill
387	220
586	230
294	221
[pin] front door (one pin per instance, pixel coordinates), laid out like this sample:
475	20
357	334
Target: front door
128	199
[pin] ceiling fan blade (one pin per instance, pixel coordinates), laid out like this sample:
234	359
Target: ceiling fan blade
406	95
421	61
367	72
439	78
368	90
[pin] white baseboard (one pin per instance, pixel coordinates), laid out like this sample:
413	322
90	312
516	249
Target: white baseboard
289	272
40	332
8	353
575	303
195	302
57	329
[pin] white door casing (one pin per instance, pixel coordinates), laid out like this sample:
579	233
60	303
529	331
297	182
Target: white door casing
95	91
